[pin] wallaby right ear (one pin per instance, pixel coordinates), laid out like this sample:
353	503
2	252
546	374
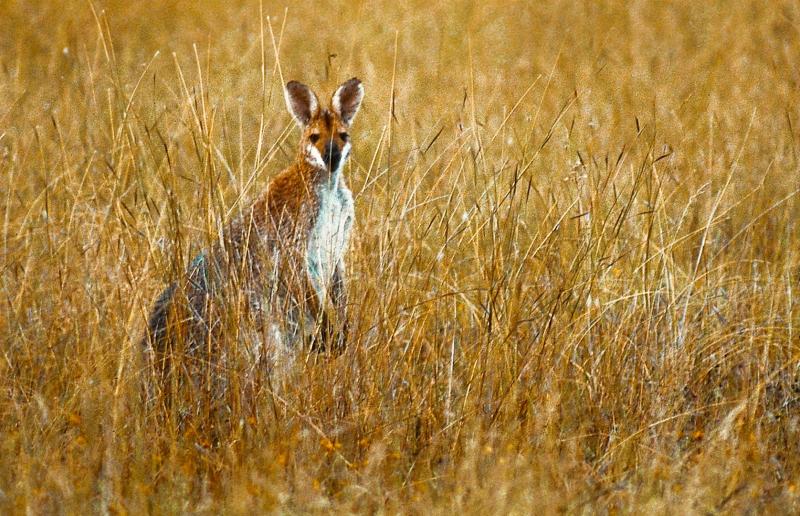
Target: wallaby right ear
301	102
347	99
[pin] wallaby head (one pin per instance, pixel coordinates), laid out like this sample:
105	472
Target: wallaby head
325	142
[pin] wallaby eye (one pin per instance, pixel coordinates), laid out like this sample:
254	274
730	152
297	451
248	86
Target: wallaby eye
314	138
344	136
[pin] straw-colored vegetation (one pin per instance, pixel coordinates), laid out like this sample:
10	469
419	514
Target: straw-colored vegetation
575	273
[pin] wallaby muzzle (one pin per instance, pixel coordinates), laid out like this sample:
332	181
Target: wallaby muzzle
332	155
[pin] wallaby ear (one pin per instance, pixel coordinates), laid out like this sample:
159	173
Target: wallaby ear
347	100
301	102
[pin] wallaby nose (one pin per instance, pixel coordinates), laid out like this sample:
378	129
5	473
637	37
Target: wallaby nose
332	155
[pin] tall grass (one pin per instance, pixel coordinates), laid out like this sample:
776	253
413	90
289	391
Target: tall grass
574	273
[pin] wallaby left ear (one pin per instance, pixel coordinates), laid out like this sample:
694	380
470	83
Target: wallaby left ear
301	102
347	100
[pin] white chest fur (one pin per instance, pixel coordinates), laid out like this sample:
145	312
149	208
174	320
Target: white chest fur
330	235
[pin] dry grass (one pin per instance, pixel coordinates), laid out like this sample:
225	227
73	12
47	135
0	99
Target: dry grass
575	269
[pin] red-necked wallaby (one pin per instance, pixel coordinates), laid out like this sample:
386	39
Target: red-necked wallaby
282	262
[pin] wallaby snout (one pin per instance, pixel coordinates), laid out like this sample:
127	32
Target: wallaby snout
332	155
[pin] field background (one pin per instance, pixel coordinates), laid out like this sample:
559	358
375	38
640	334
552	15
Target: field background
575	272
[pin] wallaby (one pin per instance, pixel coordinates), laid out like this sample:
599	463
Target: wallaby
282	262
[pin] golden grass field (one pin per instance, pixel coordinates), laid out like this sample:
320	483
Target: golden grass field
575	272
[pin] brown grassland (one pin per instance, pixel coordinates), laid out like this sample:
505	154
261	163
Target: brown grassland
575	271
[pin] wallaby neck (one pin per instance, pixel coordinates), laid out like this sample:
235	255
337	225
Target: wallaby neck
321	176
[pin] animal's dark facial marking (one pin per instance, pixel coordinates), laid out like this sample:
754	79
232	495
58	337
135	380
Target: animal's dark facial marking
332	155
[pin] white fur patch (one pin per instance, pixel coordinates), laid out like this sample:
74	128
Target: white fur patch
330	235
337	101
338	171
313	157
